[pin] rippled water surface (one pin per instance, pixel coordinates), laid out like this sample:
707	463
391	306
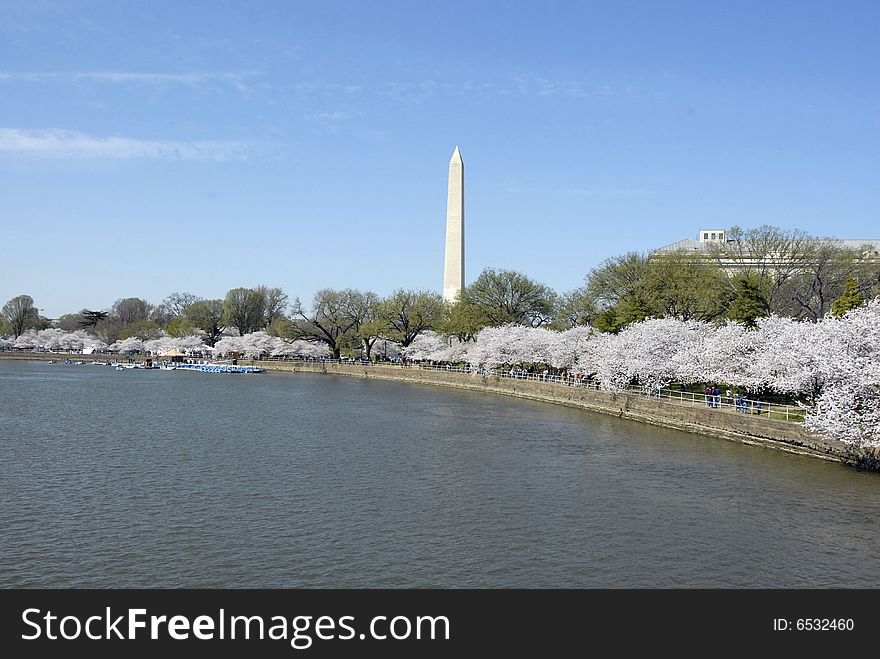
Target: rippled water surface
172	479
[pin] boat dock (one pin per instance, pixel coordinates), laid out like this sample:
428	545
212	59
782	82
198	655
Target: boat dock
219	368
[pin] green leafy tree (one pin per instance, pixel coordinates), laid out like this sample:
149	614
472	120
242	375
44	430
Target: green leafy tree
274	303
630	288
208	316
684	286
616	278
365	308
370	331
575	308
142	329
280	327
607	321
21	314
107	330
750	302
131	310
176	303
507	296
634	307
179	326
850	299
462	319
406	314
245	310
333	319
69	322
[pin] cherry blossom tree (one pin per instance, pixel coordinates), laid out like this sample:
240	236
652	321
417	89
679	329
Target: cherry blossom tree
387	348
299	348
160	345
428	346
75	340
648	353
257	344
50	339
511	344
251	345
229	344
193	343
848	361
312	349
94	344
566	347
27	340
131	344
725	355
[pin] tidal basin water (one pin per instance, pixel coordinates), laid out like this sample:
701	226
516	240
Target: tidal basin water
180	479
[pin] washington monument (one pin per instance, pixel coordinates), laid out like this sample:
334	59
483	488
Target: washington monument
453	271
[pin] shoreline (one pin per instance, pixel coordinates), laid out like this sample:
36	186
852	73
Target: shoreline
754	431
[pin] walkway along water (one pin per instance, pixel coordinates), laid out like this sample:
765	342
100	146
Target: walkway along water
672	409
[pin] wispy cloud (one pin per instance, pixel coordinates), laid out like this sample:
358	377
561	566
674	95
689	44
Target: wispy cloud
237	79
330	116
579	191
519	86
327	88
56	143
413	89
421	89
427	88
567	88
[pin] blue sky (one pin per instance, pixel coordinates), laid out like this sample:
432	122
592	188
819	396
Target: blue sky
147	148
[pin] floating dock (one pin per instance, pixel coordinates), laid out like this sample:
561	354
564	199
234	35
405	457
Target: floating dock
219	368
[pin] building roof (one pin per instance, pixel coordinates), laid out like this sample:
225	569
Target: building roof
699	246
686	245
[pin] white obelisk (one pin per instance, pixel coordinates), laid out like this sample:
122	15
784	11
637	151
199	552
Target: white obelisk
453	271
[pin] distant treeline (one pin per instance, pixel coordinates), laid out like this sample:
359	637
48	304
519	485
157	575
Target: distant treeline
753	274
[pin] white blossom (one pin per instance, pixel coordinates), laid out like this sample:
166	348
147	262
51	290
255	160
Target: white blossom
300	348
848	365
26	341
131	344
652	353
428	346
94	344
